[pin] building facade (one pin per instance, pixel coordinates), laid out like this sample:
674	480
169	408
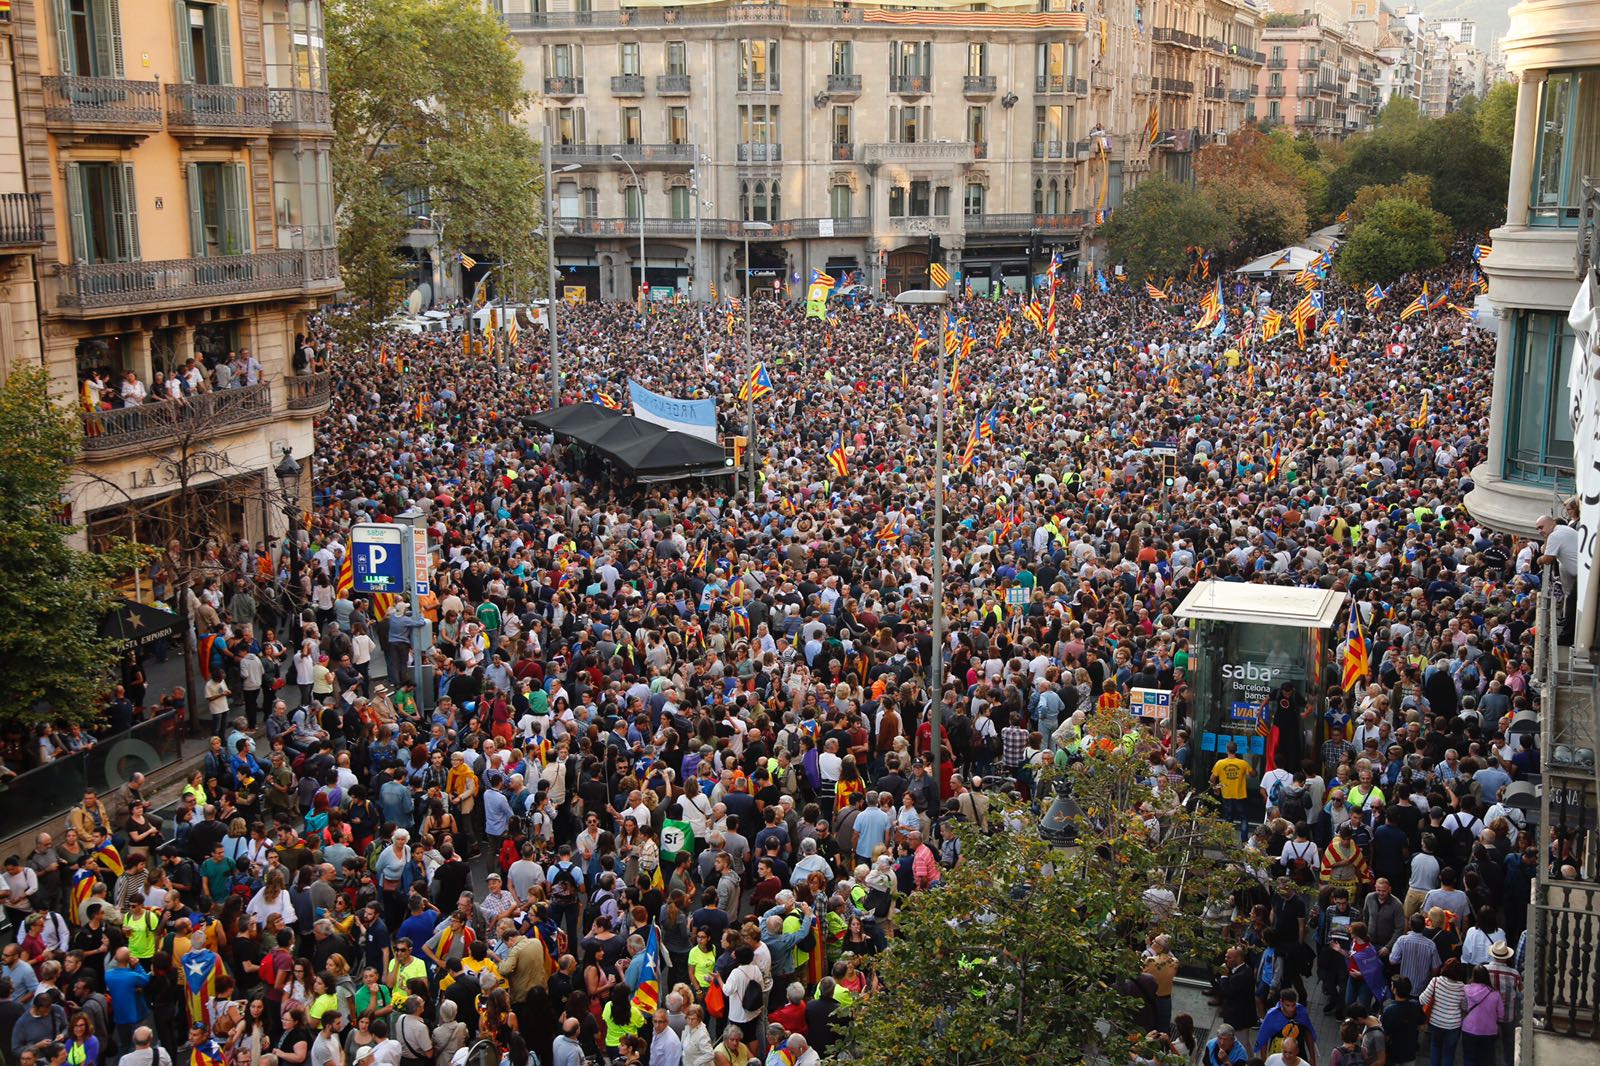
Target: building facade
864	139
1549	244
21	225
179	156
1318	78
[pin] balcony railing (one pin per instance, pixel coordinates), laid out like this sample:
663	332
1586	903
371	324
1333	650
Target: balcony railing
1049	83
842	84
672	84
729	229
563	86
206	413
102	103
1305	120
1239	96
1215	44
910	84
310	392
1047	149
88	286
978	84
1167	35
627	85
300	107
1216	92
1328	85
1172	85
919	224
759	83
843	153
218	107
921	152
760	153
20	223
1020	223
1309	63
633	153
1277	63
744	14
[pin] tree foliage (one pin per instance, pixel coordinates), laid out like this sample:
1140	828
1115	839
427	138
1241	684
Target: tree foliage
53	663
1261	191
1413	187
1156	225
1396	236
1020	956
1497	116
426	97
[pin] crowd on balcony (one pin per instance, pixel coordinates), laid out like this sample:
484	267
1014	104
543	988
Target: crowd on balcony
611	662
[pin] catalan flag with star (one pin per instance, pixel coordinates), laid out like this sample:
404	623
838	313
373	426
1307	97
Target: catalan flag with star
757	385
1357	664
1417	306
837	459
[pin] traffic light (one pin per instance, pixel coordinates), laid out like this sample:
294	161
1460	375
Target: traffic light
935	250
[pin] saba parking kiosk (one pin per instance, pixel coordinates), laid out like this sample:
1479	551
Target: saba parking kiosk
1258	670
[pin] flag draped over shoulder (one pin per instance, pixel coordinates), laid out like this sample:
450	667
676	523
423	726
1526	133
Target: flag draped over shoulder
648	995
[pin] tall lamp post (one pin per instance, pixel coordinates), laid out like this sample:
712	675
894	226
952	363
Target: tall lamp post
936	674
288	473
438	252
639	185
749	363
550	270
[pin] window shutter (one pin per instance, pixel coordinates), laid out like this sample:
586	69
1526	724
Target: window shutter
128	200
80	229
180	22
197	218
58	10
104	50
114	16
241	244
221	18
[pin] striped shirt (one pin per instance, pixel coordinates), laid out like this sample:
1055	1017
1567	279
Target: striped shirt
1447	1000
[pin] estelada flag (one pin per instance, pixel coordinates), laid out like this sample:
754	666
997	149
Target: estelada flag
200	970
648	995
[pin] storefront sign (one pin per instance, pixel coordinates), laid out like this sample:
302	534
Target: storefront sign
1150	702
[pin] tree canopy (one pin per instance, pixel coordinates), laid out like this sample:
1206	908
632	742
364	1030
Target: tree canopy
1396	236
53	662
427	96
1021	955
1157	224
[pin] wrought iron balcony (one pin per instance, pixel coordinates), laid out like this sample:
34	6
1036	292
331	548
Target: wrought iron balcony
204	414
1022	223
627	85
1215	92
20	222
1173	85
910	84
1049	83
1047	149
1239	96
102	105
216	109
310	392
760	153
294	109
1309	63
1306	120
758	83
920	152
87	287
1277	63
1215	44
844	84
563	86
672	84
978	84
634	153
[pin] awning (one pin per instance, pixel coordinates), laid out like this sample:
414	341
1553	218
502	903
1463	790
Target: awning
1289	260
640	448
138	625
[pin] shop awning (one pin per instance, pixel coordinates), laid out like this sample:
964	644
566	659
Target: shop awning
138	625
636	446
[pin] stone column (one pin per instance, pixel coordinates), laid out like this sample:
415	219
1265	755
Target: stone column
1523	146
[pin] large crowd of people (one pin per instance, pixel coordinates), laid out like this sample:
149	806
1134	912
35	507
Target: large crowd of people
671	776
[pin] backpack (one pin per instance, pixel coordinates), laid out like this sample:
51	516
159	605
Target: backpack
564	885
753	996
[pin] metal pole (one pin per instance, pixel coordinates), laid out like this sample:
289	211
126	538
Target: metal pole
550	276
639	185
699	262
936	674
749	368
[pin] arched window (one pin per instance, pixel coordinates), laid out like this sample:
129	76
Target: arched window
758	203
1053	200
1038	196
777	204
744	200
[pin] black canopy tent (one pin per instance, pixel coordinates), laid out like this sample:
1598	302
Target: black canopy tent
640	448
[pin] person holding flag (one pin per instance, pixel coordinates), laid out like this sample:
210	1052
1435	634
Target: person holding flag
1357	664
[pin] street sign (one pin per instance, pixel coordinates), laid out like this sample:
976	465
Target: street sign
378	558
1150	702
421	569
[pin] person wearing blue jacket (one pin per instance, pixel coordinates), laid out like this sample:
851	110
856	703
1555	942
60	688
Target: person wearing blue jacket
126	980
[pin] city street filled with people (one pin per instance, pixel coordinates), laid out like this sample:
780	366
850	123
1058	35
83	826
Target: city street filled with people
671	781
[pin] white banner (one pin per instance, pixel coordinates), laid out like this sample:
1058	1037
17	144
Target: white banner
1583	385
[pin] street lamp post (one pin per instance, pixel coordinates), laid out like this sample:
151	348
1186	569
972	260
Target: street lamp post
550	270
438	253
694	190
639	185
288	473
749	364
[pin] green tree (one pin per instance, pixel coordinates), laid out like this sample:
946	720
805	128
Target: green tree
1395	237
53	662
1156	225
1261	194
426	98
1497	116
1413	187
1018	957
1469	174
